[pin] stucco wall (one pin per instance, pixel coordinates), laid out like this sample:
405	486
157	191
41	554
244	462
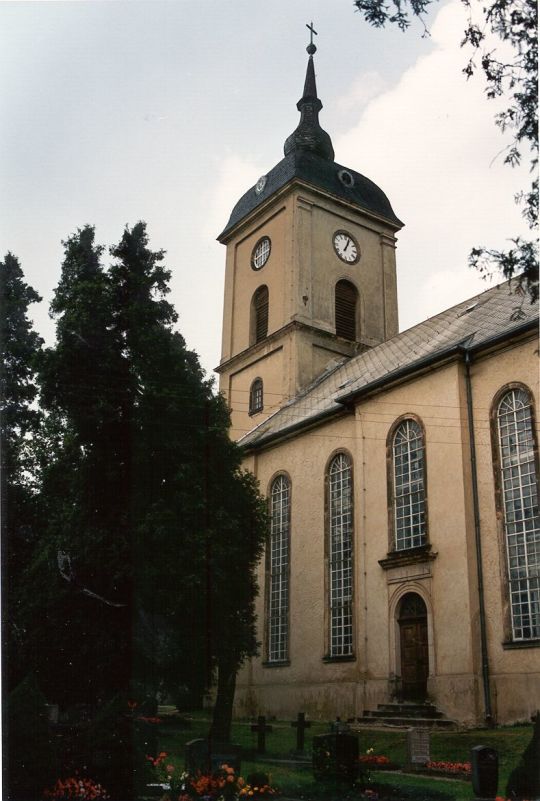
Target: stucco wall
447	583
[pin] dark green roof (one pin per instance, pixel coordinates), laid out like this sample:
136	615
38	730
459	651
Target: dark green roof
323	174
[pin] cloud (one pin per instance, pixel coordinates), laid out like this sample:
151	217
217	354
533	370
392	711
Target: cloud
431	144
365	87
235	175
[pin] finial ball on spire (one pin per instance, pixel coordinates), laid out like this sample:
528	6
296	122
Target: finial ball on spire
311	49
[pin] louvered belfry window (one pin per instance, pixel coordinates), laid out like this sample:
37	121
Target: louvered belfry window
260	312
346	299
521	515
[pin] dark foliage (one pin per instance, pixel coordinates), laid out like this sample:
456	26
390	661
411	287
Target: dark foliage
30	755
151	529
20	421
524	781
514	77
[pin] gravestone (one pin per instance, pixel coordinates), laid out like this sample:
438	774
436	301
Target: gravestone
335	756
300	724
484	772
418	748
261	727
53	713
205	756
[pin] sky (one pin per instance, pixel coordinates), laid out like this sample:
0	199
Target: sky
113	112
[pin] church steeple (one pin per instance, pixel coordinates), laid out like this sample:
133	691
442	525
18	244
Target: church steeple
309	136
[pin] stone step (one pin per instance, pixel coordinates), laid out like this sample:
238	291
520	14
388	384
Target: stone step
406	722
405	710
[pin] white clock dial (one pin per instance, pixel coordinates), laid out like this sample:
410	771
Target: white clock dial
346	247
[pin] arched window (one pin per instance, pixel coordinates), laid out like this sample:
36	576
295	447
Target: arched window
519	484
346	301
408	461
340	555
256	396
278	568
259	314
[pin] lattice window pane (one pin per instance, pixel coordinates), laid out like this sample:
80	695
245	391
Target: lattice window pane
409	490
521	517
256	396
340	556
278	595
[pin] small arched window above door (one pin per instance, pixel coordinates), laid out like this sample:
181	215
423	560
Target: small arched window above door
256	396
259	315
346	303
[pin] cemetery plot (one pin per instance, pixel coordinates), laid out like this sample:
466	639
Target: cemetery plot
335	756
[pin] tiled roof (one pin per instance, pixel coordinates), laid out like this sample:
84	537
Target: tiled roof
497	312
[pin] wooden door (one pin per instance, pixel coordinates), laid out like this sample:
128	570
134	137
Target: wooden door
414	647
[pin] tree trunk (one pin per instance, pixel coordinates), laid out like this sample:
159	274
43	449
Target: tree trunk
222	713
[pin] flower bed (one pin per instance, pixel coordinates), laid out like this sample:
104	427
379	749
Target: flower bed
452	770
376	761
222	785
75	788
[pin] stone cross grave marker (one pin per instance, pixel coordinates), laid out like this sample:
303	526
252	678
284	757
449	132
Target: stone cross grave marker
261	727
300	724
418	753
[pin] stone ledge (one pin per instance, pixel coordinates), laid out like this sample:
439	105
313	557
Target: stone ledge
411	556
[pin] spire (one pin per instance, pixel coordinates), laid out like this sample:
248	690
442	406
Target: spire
309	136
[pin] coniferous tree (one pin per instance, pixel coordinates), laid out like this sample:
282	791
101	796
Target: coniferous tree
153	530
87	392
20	420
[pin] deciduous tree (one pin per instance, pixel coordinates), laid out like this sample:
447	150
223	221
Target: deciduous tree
511	72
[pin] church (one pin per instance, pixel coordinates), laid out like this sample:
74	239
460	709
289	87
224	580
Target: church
401	468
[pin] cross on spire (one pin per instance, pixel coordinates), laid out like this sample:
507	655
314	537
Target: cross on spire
311	48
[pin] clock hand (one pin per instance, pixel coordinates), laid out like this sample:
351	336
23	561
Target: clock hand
347	245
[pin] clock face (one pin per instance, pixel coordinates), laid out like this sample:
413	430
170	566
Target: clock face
261	253
346	247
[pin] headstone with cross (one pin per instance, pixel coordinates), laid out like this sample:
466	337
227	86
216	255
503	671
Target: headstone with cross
261	727
300	724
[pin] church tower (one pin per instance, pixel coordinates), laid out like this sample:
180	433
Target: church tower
310	275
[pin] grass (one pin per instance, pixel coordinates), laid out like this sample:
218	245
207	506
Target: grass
296	780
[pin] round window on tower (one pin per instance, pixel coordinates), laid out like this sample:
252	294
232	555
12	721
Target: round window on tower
261	183
346	178
260	253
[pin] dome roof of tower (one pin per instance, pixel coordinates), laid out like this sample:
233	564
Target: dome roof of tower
321	173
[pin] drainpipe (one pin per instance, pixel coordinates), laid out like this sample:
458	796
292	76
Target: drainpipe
480	576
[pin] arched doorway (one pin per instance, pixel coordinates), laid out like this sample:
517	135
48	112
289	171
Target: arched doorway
413	639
